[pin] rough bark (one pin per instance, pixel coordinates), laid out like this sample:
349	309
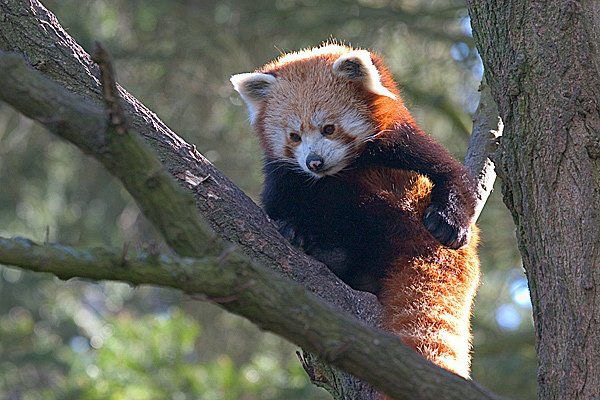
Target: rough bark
541	61
28	28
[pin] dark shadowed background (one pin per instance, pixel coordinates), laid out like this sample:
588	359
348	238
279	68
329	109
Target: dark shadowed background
80	340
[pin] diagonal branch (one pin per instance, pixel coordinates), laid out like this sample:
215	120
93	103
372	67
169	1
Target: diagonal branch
487	132
267	299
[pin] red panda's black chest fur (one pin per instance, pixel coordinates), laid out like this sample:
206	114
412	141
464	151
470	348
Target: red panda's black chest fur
356	223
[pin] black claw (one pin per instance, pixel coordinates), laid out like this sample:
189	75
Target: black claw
446	227
289	232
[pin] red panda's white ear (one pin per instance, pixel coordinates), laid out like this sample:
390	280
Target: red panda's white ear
357	65
254	88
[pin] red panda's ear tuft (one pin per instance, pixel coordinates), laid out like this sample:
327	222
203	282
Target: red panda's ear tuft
357	66
254	88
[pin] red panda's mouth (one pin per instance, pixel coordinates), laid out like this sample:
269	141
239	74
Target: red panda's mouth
324	172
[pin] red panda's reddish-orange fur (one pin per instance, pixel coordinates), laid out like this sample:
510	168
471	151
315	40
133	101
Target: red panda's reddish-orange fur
428	293
429	288
384	111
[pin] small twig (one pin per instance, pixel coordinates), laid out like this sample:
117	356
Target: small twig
192	179
308	368
204	179
110	93
153	249
321	375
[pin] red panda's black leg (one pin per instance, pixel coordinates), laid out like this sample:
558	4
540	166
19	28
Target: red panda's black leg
448	218
292	235
336	258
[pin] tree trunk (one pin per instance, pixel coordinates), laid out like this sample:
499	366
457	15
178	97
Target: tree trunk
541	61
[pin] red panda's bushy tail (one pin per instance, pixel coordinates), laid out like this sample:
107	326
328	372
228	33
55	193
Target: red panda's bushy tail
427	303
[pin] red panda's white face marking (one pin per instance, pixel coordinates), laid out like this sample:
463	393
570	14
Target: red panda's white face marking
293	99
299	126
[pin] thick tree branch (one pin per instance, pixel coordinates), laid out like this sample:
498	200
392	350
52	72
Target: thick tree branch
267	299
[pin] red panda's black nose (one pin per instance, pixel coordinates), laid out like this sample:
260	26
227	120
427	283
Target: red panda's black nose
314	162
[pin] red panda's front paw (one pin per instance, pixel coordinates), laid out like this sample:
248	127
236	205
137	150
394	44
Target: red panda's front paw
289	232
452	228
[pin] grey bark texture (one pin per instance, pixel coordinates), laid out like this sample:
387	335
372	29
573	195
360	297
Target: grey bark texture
26	27
542	64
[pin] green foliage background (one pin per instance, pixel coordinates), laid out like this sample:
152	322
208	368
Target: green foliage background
84	340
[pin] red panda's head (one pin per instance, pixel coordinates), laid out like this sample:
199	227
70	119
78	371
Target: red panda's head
314	109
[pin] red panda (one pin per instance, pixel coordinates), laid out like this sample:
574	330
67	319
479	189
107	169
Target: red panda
352	180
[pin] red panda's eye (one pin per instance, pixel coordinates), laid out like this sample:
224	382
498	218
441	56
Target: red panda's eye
328	130
295	137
